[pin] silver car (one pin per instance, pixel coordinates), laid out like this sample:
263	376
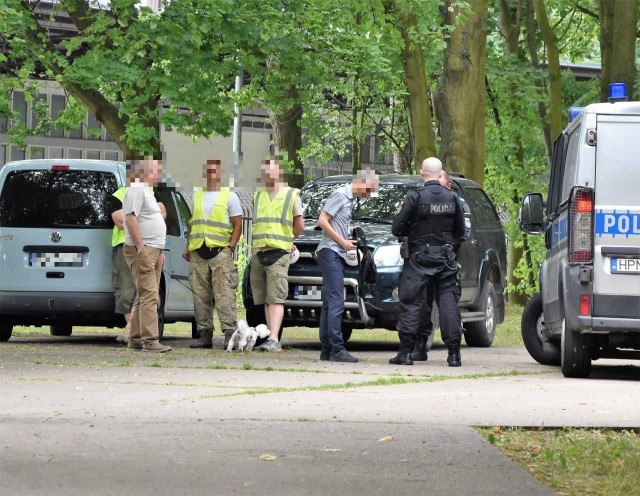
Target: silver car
55	247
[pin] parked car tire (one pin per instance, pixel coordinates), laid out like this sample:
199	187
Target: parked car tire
532	326
346	333
60	329
481	333
576	351
5	331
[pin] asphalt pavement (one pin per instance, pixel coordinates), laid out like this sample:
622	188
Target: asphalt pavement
81	416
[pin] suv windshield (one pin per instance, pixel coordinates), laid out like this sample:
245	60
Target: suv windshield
382	207
46	198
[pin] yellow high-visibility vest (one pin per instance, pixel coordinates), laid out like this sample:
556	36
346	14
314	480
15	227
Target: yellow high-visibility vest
117	236
273	219
217	229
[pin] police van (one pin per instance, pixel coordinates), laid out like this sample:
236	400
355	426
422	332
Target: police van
589	304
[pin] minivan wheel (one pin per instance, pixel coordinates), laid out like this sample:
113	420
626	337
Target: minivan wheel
5	331
346	333
532	327
481	333
575	353
60	329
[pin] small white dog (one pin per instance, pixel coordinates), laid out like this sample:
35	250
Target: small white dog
244	337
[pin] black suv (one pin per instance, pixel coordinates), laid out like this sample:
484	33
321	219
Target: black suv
482	257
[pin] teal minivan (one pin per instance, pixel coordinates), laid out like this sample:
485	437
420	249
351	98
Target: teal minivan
55	247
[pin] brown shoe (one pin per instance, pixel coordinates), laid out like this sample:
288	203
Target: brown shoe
156	348
137	346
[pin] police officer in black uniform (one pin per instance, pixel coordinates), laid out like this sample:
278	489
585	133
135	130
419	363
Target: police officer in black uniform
432	219
419	353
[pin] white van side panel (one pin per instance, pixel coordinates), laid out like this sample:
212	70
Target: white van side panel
617	206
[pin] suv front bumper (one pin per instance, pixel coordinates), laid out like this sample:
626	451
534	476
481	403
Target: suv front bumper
355	311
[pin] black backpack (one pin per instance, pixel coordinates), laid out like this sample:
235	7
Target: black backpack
367	271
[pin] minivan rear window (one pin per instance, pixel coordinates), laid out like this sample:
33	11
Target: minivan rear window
55	198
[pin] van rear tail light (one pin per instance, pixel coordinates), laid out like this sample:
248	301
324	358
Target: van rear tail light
59	167
581	226
585	304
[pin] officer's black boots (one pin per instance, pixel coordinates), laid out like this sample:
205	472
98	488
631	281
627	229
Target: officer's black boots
401	359
454	359
419	353
204	341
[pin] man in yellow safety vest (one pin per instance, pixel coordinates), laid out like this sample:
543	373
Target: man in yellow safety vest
277	221
214	231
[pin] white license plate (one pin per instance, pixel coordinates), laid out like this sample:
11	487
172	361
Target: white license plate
625	265
307	293
48	259
310	293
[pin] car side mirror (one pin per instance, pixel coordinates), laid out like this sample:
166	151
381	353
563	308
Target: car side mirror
531	217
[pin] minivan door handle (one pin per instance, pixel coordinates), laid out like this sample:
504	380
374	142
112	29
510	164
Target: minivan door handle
55	275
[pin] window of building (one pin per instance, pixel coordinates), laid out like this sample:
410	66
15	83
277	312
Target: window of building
56	152
94	129
17	153
74	153
93	154
20	106
34	116
111	155
57	106
36	152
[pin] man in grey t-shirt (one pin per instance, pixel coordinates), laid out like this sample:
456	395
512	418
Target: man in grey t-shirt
145	235
332	251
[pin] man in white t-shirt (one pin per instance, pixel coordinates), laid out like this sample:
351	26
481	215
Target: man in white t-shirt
145	236
214	231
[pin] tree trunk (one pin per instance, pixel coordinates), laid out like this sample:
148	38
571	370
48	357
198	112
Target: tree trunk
553	60
287	132
460	102
535	63
618	31
415	77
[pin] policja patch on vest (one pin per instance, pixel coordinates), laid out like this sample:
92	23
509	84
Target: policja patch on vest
442	208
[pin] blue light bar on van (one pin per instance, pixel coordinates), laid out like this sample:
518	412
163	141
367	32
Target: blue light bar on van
574	112
618	92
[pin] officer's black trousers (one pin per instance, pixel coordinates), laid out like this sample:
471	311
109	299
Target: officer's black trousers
415	280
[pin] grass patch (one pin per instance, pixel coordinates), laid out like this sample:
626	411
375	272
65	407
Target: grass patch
381	381
507	333
575	461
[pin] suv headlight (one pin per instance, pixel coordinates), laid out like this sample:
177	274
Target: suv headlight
388	256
